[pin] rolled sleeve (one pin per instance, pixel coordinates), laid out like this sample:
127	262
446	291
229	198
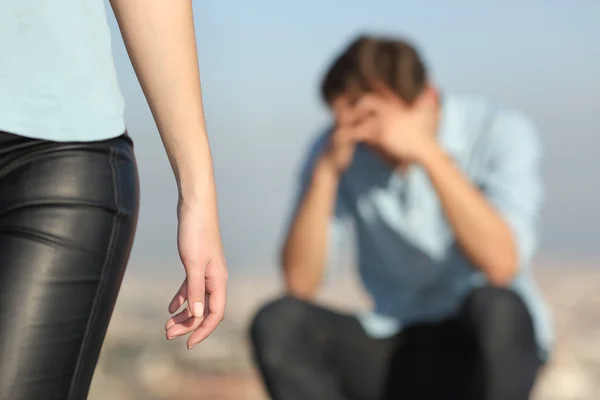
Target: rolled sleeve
339	225
513	181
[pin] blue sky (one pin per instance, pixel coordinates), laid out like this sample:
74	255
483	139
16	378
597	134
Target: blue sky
261	63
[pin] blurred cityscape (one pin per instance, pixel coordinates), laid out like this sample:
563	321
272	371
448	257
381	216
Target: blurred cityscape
139	363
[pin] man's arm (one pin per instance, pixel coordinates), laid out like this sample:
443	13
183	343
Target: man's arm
304	255
495	229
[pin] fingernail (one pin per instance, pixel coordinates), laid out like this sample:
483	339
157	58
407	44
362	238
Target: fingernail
192	346
198	310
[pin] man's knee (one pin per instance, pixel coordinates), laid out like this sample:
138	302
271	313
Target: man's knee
504	333
275	325
497	314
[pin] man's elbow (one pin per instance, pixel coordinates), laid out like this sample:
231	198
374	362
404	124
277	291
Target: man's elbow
299	286
502	268
300	291
298	283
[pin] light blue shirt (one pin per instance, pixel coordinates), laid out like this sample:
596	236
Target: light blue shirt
408	259
57	78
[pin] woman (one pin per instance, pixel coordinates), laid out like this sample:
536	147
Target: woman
69	184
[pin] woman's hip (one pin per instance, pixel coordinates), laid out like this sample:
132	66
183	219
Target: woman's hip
68	215
98	174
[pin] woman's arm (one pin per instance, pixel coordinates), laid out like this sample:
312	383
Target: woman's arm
160	39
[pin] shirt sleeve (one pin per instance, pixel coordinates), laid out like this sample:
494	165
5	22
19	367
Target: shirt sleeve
513	181
339	224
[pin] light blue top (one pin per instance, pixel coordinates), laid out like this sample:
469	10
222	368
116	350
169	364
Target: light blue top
407	256
57	78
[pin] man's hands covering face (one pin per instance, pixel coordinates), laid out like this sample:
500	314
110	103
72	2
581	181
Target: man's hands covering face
405	134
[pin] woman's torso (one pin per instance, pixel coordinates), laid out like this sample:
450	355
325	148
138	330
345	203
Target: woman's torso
57	77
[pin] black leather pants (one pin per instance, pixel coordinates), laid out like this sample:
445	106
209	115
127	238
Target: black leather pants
68	213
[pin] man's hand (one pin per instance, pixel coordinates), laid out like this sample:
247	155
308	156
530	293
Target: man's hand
405	133
349	131
205	286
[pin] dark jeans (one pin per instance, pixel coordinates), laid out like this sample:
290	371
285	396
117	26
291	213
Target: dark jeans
68	213
488	352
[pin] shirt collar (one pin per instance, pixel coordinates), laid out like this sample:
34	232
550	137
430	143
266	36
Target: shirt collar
450	131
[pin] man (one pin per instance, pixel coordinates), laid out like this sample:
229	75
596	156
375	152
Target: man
444	193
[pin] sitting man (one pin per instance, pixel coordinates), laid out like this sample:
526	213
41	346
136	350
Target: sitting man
444	194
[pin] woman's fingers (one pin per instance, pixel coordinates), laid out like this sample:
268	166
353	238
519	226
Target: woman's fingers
178	319
184	327
179	298
216	312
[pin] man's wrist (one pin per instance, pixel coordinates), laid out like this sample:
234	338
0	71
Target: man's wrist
326	172
432	155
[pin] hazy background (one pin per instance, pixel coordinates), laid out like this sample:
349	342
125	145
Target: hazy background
261	64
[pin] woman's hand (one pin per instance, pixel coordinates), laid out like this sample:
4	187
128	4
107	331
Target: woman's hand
205	287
